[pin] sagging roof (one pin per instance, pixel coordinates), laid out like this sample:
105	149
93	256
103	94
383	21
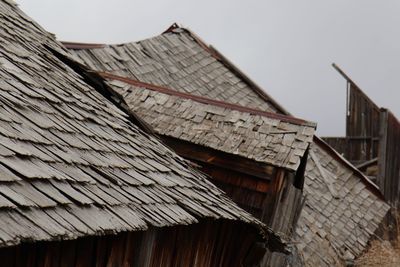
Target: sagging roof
331	168
269	138
371	132
341	212
72	163
180	60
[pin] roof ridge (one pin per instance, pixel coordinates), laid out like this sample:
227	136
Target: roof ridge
206	100
82	45
208	48
220	57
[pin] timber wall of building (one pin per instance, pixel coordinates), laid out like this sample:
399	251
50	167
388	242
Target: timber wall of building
389	158
274	200
212	243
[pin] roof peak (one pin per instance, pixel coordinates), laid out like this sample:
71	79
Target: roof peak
212	51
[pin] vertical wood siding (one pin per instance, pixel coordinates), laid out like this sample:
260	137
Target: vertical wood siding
212	243
389	158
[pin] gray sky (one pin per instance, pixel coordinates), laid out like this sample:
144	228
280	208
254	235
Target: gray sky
286	46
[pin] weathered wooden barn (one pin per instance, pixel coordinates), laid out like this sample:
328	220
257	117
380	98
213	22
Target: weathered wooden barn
82	185
258	158
342	209
372	141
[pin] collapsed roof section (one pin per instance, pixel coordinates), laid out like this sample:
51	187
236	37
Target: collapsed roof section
339	205
341	212
73	164
371	141
325	172
269	138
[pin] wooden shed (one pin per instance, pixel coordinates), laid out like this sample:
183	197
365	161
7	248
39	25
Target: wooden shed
372	141
82	185
334	190
257	158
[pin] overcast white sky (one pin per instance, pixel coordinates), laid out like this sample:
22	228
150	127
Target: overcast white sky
286	46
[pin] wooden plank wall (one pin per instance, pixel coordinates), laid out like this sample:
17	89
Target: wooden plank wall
275	201
372	133
211	243
362	118
362	128
256	195
267	192
389	159
286	212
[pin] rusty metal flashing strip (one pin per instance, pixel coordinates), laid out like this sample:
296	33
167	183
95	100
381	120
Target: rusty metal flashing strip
74	45
332	152
209	101
172	28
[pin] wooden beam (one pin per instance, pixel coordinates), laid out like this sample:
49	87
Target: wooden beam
221	159
383	134
367	163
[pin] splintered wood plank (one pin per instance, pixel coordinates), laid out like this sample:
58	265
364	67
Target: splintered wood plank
21	200
70	192
22	227
71	231
6	152
5	203
50	191
27	190
45	222
68	216
99	219
138	176
73	172
135	193
7	176
118	174
130	216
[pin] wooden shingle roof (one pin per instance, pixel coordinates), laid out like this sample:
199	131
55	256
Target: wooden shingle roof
341	212
72	163
176	59
228	84
265	137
